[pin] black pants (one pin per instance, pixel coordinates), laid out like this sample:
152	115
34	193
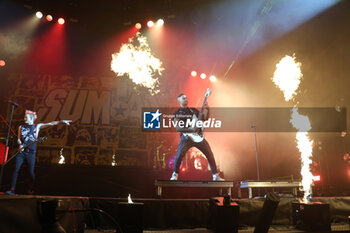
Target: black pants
30	157
185	144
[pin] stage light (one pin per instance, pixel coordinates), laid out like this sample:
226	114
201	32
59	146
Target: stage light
138	26
317	178
212	78
203	75
39	15
183	169
160	22
194	73
49	18
61	21
2	63
150	23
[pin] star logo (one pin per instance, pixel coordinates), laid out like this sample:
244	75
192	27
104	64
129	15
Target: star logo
156	115
151	120
119	110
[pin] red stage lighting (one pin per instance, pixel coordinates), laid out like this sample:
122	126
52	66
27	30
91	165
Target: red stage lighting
61	21
2	63
203	76
150	23
39	15
194	73
138	26
49	18
212	78
317	178
183	169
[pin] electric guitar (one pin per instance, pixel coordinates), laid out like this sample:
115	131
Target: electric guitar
40	140
198	136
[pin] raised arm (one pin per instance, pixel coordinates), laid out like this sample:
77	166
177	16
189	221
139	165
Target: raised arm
206	112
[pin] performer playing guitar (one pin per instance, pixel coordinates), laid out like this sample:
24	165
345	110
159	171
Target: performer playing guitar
192	137
27	134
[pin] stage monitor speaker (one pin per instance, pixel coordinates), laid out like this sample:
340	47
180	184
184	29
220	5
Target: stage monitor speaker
267	213
223	215
130	217
48	218
314	216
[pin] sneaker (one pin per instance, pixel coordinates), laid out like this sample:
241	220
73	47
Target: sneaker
30	191
10	192
216	177
175	176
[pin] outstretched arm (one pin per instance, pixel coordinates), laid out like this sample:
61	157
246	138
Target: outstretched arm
52	123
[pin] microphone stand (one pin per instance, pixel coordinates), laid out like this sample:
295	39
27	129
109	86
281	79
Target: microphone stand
7	141
256	157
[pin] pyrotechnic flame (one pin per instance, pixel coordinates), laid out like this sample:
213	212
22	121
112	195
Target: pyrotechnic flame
113	160
300	122
129	199
304	144
138	63
287	77
61	157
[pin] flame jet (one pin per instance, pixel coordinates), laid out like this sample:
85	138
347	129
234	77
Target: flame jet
287	78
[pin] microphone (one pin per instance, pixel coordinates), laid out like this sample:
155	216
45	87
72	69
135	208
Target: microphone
13	103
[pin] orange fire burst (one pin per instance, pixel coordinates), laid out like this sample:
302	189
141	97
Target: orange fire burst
138	62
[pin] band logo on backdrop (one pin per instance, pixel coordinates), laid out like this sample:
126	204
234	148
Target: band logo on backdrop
105	114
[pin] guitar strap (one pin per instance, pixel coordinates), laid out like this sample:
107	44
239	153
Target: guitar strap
203	117
192	112
32	132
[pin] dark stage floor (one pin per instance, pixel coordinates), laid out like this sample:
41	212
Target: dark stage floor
335	228
22	213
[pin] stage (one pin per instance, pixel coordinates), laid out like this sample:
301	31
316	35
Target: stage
179	209
22	213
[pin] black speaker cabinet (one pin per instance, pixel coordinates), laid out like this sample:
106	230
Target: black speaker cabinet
130	217
223	215
267	213
312	216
